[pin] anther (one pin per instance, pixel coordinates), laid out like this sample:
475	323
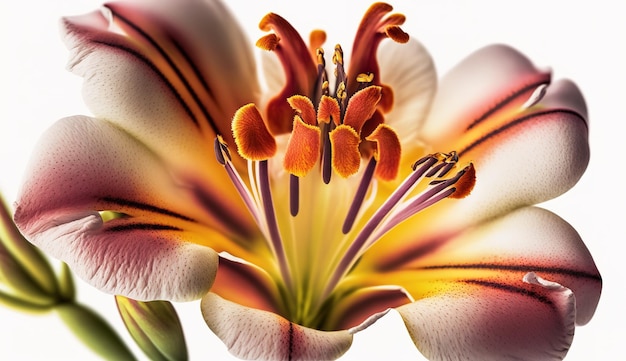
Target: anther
338	55
364	80
221	150
321	87
342	96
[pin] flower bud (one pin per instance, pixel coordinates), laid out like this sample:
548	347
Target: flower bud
155	327
27	280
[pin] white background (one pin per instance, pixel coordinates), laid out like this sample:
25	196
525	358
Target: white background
578	40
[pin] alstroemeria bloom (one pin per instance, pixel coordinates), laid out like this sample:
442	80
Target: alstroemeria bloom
300	215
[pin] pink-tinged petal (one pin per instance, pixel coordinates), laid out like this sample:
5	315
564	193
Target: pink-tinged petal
357	307
84	166
246	284
501	251
127	48
260	335
409	70
143	261
490	321
527	160
486	86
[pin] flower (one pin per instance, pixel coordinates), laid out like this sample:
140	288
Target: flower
301	214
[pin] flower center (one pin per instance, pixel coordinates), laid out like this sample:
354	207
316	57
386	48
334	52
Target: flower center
315	165
335	223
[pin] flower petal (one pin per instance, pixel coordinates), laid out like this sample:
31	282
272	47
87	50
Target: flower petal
486	84
143	261
483	321
82	167
163	46
245	284
409	70
356	308
498	252
527	160
260	335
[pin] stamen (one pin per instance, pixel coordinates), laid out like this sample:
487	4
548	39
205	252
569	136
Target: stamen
254	141
223	156
341	78
346	157
272	225
359	196
328	115
394	210
303	147
364	80
466	183
356	246
221	150
326	153
439	190
340	72
294	195
321	87
342	96
435	169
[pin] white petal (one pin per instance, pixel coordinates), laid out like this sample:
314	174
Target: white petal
260	335
492	322
409	70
